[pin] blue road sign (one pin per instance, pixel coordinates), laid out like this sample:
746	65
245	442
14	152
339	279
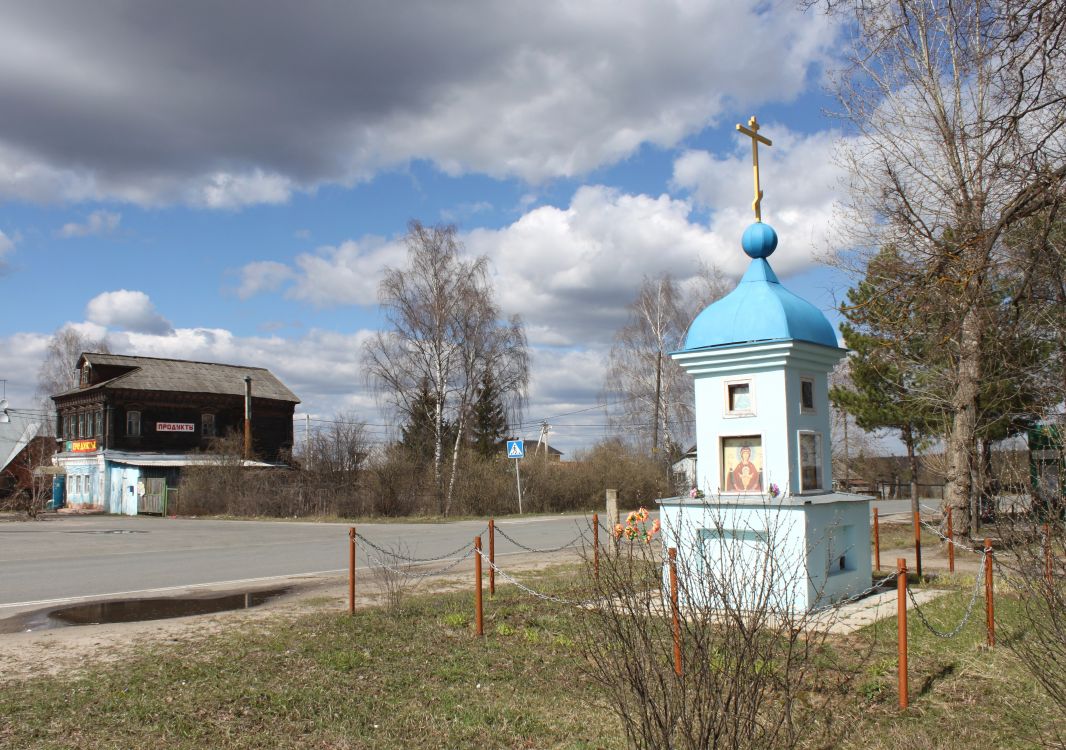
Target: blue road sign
516	449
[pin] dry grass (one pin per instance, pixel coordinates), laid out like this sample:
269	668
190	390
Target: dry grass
417	677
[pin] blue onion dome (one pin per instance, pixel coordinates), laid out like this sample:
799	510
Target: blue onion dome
760	308
759	240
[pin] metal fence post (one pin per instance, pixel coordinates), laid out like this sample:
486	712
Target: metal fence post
951	543
990	614
478	614
877	542
918	544
596	545
351	570
901	628
492	557
674	612
1048	566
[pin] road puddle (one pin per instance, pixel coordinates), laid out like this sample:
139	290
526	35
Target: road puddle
135	610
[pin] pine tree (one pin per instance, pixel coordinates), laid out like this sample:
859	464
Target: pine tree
488	425
889	386
419	432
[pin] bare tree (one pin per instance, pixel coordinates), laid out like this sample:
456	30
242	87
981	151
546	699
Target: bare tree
657	395
56	374
959	110
445	332
339	450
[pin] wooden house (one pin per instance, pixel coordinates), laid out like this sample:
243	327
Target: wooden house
133	422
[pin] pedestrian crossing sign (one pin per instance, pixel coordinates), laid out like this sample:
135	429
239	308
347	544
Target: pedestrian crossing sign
516	449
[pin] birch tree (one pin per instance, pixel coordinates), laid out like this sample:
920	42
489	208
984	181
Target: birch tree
444	331
56	373
657	396
958	112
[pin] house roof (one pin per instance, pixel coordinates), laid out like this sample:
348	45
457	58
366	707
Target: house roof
550	450
16	435
154	374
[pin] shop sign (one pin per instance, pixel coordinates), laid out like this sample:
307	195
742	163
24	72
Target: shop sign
82	446
175	427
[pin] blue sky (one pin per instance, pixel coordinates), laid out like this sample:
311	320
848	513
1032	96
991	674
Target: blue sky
226	183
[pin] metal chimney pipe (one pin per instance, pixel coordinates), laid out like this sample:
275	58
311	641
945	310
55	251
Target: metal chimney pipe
247	417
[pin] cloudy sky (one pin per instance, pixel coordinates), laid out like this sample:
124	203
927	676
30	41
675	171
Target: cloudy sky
226	181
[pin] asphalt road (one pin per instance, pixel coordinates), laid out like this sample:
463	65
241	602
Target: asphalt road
70	558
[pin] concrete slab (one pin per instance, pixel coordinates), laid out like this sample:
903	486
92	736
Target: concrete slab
858	614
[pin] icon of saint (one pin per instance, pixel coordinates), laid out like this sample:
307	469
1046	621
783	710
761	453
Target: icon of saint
745	476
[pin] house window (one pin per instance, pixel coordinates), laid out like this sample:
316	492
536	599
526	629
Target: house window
81	425
99	430
207	425
68	427
810	450
133	423
738	399
807	395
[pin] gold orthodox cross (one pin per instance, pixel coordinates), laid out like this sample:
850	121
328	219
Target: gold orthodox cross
752	131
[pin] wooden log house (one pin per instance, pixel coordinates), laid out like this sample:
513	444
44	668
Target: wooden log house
132	423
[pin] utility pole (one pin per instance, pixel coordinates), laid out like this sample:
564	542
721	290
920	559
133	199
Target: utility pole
543	439
307	439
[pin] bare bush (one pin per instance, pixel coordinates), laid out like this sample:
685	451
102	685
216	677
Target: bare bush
1033	561
756	672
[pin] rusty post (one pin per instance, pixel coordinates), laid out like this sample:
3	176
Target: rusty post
479	618
990	613
492	557
951	543
918	544
674	611
901	628
596	545
1048	566
877	542
351	570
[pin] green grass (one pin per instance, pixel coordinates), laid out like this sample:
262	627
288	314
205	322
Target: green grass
417	677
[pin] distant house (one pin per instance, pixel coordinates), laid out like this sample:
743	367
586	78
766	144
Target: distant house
684	471
535	449
133	423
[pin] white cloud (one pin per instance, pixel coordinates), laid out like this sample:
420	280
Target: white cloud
800	182
262	276
226	110
7	246
228	190
98	222
571	271
346	274
127	310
